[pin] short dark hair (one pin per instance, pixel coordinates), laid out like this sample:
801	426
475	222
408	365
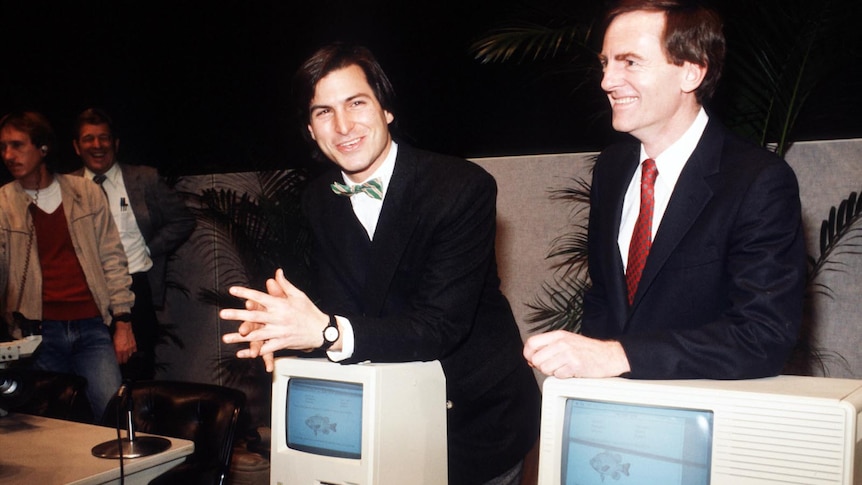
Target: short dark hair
94	116
37	127
692	33
331	58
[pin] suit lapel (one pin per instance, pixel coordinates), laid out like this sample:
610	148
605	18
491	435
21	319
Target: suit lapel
690	195
135	190
394	230
616	280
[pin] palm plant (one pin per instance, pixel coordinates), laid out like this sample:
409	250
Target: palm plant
561	304
259	216
563	32
840	235
780	53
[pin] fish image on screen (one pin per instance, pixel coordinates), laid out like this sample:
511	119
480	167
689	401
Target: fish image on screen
624	443
325	417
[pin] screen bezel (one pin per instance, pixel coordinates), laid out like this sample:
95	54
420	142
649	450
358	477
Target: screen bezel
316	450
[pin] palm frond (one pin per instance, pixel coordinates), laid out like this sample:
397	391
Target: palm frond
530	42
263	224
840	234
560	307
572	246
806	358
781	53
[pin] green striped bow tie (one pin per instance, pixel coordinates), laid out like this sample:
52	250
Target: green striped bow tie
373	188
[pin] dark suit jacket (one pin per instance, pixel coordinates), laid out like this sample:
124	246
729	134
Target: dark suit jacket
162	217
427	288
721	293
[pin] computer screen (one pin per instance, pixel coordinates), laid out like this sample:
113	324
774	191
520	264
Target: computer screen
605	441
324	417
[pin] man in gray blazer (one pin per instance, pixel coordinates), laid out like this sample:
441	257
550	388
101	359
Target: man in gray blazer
152	219
716	289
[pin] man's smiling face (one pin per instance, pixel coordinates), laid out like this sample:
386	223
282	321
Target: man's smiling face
97	147
349	124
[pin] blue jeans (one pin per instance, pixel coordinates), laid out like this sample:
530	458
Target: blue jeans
82	347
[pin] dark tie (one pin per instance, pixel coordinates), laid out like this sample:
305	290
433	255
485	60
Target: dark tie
642	235
99	178
373	188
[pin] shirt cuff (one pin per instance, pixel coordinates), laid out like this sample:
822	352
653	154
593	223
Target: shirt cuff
347	341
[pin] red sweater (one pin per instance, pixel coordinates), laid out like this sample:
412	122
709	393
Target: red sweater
65	293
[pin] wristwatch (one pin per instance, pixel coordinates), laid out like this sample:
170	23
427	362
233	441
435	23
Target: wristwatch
330	334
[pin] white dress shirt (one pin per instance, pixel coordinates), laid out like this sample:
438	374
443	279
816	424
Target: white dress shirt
669	164
133	241
367	210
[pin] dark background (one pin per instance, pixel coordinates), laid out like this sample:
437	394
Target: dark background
199	87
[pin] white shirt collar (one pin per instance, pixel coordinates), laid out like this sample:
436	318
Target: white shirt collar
671	161
384	171
111	174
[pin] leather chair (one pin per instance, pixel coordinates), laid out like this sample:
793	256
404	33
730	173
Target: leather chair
206	414
52	394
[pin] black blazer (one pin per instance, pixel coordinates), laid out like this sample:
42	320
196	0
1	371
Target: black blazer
427	288
721	293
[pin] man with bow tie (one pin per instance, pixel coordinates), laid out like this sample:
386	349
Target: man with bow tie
405	269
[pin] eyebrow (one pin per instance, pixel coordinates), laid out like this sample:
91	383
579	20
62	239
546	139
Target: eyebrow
346	100
622	56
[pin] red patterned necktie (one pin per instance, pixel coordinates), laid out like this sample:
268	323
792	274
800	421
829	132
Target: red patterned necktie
642	235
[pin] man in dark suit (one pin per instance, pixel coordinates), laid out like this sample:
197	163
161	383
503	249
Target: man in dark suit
405	269
153	222
719	291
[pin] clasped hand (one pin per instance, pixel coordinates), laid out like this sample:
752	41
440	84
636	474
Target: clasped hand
282	318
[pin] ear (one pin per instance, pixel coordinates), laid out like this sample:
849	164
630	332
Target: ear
389	117
692	76
77	148
311	132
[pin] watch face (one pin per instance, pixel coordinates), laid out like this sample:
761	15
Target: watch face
331	334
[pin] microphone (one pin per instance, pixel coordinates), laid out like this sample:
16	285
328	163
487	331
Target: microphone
130	446
15	389
9	387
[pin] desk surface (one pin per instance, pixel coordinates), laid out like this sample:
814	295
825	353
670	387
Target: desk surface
35	449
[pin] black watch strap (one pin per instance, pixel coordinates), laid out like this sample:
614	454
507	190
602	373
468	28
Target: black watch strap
330	336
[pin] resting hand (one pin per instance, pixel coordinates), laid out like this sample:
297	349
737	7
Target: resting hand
124	341
283	318
565	354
